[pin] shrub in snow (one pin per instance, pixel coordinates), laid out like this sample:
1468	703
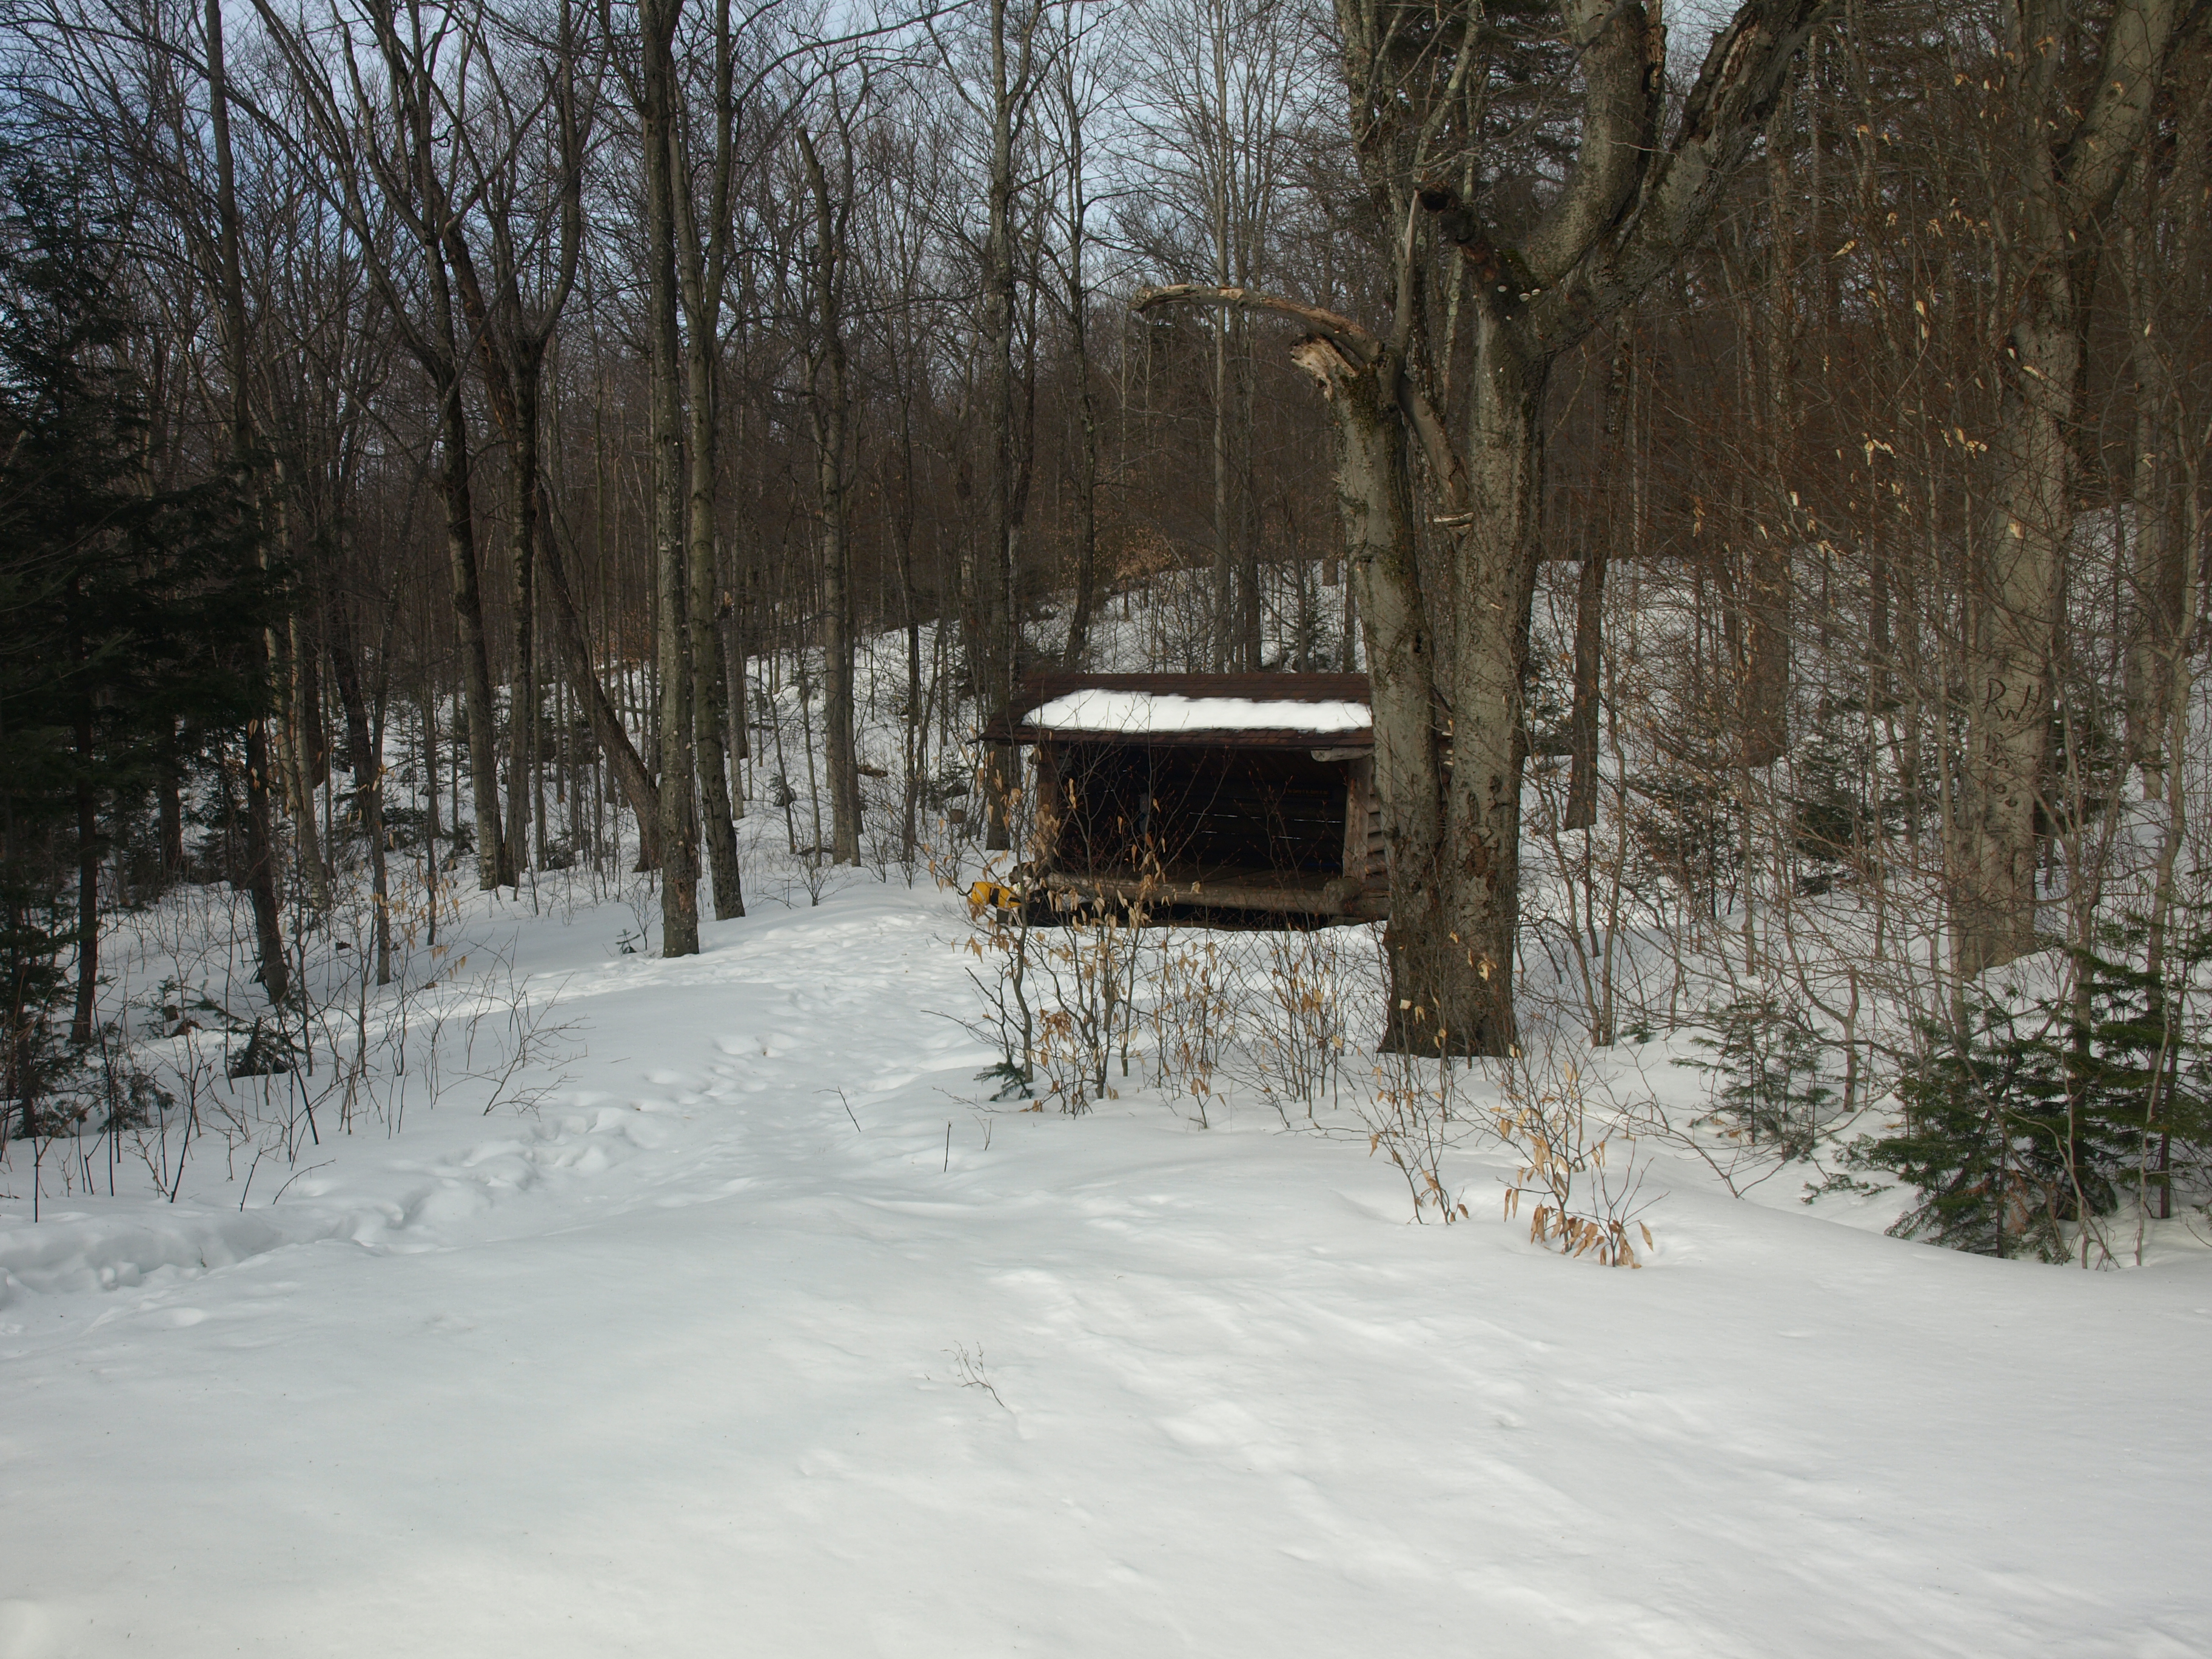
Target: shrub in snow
2025	1127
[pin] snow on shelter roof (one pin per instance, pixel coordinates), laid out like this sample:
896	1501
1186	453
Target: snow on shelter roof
1148	712
1268	708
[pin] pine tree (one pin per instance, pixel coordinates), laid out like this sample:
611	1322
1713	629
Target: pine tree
129	609
2022	1127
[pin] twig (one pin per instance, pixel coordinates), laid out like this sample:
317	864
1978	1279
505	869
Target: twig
972	1375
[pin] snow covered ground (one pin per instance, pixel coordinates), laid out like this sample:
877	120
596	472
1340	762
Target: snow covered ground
729	1346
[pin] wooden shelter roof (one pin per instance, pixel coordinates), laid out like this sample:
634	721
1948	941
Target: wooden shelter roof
1015	724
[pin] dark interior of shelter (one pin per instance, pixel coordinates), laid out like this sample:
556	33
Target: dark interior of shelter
1198	810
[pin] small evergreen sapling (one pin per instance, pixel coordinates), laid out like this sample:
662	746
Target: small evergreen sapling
2023	1128
1766	1076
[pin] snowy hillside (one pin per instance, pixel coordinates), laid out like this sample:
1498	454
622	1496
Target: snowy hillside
759	1333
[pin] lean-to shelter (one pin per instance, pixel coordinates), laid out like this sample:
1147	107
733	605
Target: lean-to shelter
1226	793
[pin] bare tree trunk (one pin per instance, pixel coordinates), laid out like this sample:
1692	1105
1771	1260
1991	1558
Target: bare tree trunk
997	651
916	715
680	834
1375	499
1580	811
1633	204
632	776
89	849
525	718
430	804
169	795
1766	607
1495	570
702	266
1226	633
363	748
260	829
1079	329
710	717
2069	181
300	720
439	350
493	868
830	402
710	710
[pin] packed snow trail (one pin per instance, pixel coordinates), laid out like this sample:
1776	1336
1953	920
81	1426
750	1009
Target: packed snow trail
708	1357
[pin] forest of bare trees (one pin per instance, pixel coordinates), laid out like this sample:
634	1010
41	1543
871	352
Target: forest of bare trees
1761	462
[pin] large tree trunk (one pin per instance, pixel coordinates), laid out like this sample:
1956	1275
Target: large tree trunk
831	407
1494	568
679	833
302	722
1226	633
89	849
260	825
439	350
709	704
996	650
493	867
2020	572
840	757
1632	204
364	751
709	700
1078	331
915	736
2069	178
702	268
523	720
1580	812
1375	499
170	798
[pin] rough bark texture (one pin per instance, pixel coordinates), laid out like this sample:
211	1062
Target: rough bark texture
260	824
995	645
703	263
2071	172
831	407
1374	497
364	756
89	849
1494	585
679	833
302	723
524	716
493	869
1580	811
710	711
1630	207
1079	329
709	702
